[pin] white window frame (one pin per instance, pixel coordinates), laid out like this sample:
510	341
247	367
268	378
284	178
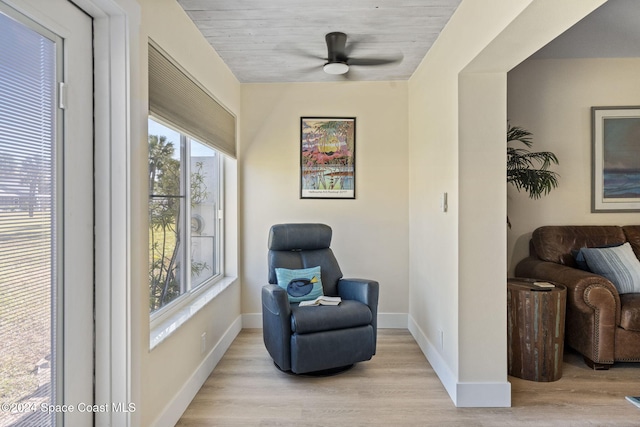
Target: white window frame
165	320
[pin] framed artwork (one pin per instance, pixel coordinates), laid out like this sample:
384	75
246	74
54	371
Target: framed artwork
615	183
327	158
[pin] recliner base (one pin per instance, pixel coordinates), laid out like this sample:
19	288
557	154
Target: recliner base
323	373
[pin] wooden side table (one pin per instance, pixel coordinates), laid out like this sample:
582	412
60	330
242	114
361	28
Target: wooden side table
535	329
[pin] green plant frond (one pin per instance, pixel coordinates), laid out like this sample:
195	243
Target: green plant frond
516	133
535	182
529	171
545	158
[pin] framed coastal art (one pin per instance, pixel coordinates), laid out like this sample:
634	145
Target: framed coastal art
327	157
615	183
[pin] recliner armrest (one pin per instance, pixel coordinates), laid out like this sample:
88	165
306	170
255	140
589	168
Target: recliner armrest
276	325
363	290
366	291
275	300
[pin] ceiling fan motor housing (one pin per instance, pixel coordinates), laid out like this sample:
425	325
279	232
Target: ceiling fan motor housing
338	61
336	57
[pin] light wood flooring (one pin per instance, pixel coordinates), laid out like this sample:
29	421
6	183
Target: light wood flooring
398	387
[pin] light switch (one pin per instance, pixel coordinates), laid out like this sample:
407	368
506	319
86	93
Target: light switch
443	202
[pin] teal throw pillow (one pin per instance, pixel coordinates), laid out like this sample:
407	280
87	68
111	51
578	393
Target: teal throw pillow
301	285
618	264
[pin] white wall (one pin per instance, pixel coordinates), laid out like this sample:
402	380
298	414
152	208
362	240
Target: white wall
552	99
370	233
457	120
168	374
411	147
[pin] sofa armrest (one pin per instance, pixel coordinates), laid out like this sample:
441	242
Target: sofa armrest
366	291
593	306
580	285
276	325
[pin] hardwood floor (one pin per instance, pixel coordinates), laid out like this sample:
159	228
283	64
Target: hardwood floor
398	387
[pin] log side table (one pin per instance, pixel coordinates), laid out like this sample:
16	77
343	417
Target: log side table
535	329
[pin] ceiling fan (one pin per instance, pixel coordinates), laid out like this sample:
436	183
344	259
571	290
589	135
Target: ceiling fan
339	59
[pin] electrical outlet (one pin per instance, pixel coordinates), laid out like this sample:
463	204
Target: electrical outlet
203	343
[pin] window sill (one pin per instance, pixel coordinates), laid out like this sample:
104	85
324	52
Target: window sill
169	325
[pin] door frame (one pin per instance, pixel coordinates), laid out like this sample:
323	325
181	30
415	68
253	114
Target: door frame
116	69
117	124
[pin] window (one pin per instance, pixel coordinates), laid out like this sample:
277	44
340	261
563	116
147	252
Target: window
191	136
185	239
29	282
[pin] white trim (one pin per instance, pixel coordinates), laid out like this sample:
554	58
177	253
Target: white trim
252	321
169	324
385	321
483	395
393	320
463	395
447	378
116	40
174	410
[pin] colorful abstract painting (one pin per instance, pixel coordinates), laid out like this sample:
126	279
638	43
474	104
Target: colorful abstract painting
327	158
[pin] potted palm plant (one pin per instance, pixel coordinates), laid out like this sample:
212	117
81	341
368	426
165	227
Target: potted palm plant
526	170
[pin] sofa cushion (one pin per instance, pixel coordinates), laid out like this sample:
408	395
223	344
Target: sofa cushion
632	232
554	243
347	314
618	264
630	312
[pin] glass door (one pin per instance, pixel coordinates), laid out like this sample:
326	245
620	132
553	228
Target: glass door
43	224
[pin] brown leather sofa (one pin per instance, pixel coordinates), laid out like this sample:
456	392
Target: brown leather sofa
601	324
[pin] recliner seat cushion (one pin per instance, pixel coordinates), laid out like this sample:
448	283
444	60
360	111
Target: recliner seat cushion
347	314
630	312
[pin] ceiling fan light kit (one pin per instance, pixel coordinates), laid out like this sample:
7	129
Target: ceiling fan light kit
335	68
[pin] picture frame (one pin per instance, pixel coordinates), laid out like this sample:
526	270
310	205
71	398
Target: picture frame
615	185
327	157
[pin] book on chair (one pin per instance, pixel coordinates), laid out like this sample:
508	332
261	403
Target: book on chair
323	300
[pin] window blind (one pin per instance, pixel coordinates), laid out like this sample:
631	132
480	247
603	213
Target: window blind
178	99
27	220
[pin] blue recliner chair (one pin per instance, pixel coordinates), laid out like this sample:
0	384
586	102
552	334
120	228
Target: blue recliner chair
318	338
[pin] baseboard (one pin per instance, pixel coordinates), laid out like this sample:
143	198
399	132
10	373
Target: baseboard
252	321
174	410
436	361
393	320
385	321
463	395
483	395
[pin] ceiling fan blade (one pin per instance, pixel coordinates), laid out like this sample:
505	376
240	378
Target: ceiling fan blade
303	54
288	49
374	61
336	43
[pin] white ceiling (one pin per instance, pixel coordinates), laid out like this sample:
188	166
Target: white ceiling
611	31
283	40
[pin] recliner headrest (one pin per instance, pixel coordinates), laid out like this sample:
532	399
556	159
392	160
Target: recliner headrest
295	237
